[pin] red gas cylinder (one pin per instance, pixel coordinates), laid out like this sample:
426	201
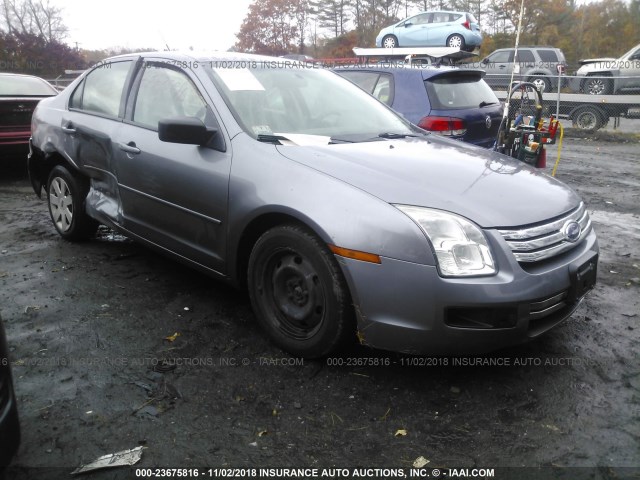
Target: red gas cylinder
542	159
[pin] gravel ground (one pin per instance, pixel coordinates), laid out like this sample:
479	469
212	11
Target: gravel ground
114	347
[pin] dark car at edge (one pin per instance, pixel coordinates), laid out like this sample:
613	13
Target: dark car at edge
19	95
9	425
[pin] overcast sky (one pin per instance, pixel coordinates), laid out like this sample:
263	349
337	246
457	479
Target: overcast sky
201	24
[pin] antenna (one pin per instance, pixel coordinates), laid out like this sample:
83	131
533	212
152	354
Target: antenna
515	57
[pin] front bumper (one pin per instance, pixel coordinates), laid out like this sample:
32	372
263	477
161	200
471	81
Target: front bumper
409	308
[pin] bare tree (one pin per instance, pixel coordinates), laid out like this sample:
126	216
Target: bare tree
35	17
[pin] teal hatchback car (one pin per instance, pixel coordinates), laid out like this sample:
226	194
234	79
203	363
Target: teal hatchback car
433	29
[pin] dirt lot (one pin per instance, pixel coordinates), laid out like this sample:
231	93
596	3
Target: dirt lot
95	373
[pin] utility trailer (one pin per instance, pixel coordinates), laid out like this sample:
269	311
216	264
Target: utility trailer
588	112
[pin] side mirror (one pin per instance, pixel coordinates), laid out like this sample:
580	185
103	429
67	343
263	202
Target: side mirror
484	61
187	130
407	24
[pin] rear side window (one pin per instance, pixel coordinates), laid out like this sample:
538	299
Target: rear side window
459	91
526	56
441	17
101	90
548	56
380	85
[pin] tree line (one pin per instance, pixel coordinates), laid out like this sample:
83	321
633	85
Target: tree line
33	33
331	28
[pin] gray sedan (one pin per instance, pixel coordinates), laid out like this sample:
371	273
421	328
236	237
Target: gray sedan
342	220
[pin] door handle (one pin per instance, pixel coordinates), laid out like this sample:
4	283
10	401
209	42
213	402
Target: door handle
129	147
68	128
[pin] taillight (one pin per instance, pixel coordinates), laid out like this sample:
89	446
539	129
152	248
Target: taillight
449	126
467	25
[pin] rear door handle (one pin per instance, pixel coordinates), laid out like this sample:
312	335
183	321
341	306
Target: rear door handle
129	147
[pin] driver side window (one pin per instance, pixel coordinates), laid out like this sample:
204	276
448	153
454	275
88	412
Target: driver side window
165	92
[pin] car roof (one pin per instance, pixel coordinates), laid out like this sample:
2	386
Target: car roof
200	56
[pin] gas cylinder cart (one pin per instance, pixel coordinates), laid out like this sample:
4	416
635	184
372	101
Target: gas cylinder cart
523	132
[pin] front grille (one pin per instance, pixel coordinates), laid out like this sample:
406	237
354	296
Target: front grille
540	242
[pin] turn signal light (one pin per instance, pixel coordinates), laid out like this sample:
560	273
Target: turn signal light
355	254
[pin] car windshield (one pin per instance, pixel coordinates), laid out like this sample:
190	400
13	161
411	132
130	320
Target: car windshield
289	99
459	91
24	86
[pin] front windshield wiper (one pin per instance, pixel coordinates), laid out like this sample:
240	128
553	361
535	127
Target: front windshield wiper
486	104
334	140
395	135
267	138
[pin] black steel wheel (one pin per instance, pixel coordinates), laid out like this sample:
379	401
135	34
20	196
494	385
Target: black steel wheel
298	292
66	194
588	118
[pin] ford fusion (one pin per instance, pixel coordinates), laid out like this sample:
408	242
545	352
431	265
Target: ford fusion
343	221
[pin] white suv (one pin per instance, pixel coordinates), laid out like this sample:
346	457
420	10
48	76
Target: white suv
610	75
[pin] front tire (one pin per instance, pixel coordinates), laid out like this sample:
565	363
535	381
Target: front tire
298	292
390	41
597	86
66	194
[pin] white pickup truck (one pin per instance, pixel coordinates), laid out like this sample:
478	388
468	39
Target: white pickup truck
603	76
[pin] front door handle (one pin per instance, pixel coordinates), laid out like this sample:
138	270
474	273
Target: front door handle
68	128
129	147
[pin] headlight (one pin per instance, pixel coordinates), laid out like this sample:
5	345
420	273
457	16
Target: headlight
460	246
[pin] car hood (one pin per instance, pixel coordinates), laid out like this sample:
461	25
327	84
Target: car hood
488	188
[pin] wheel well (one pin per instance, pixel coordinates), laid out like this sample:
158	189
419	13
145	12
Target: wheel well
250	236
40	167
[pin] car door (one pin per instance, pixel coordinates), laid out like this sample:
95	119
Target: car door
94	114
631	70
173	195
414	31
498	66
441	26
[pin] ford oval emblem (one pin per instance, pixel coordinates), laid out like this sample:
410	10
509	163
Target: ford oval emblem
487	122
572	231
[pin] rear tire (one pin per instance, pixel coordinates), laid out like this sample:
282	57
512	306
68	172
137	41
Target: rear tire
298	292
541	82
588	118
456	41
66	195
